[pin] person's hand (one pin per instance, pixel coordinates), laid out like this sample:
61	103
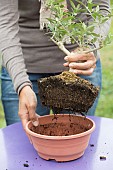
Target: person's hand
27	106
81	63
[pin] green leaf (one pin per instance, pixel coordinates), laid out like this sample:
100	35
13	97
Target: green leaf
72	4
91	28
84	26
97	8
90	1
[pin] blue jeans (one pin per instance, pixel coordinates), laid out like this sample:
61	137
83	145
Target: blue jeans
10	98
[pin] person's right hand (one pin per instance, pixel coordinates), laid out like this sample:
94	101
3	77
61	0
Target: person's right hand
27	106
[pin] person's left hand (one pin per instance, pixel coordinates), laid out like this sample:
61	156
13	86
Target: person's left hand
81	63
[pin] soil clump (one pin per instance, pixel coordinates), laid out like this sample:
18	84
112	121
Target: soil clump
67	91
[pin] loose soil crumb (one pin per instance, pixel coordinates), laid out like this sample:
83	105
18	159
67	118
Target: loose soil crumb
26	165
59	129
102	157
92	145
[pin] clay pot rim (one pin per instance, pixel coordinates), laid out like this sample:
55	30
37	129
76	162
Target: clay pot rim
61	137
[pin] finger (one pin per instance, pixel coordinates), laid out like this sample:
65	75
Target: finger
35	121
31	106
82	66
83	72
24	117
66	64
31	109
75	57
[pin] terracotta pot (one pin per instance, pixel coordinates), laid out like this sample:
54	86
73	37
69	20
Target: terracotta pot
61	148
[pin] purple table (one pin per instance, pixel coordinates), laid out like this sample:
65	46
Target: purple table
16	152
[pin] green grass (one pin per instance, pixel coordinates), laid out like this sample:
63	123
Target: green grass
105	106
2	120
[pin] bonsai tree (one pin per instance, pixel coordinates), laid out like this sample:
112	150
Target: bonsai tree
63	27
68	91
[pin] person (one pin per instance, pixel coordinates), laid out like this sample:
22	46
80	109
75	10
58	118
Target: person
28	55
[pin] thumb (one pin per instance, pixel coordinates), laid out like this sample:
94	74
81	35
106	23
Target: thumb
35	120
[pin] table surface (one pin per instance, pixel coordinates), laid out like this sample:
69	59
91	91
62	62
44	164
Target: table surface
16	151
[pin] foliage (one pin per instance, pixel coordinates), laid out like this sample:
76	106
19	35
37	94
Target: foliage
64	27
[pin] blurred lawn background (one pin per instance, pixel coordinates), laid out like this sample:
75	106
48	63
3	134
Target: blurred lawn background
105	106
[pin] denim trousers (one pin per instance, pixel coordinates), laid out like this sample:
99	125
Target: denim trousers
10	100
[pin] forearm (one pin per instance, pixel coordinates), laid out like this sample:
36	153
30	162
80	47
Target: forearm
16	69
10	46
